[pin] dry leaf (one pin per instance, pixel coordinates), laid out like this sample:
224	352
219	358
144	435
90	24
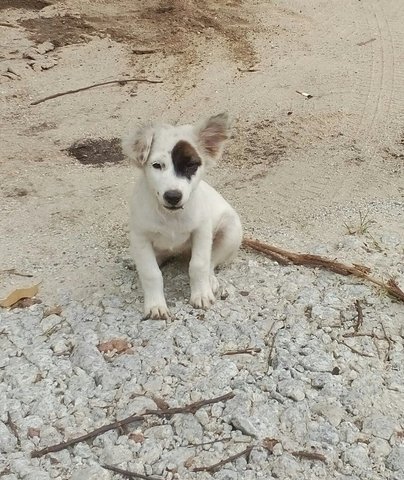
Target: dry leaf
25	302
18	294
269	443
55	310
33	432
118	344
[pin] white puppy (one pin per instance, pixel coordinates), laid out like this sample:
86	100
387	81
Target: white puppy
173	211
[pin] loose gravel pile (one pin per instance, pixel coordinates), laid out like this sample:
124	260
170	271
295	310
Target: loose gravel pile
319	396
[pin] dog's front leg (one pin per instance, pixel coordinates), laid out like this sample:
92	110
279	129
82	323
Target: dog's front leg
199	268
151	279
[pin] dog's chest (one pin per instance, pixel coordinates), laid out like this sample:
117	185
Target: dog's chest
170	240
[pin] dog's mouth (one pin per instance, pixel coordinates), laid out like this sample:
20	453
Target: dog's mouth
169	207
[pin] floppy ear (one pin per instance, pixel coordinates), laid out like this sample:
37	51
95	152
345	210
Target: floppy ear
212	134
137	145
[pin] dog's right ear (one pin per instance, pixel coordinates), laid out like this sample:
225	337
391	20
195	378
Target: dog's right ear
137	145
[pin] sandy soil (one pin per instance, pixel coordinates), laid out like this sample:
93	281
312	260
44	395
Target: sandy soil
298	169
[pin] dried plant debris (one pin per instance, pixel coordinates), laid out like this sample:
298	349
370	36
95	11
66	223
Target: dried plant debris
19	294
118	345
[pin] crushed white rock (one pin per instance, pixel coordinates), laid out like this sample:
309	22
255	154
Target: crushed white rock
305	388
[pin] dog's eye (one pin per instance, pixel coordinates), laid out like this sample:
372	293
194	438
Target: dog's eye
157	166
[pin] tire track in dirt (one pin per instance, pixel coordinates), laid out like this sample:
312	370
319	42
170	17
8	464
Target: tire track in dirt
365	123
377	104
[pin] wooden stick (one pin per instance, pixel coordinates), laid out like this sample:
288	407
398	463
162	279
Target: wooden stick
128	474
307	260
216	466
192	408
123	81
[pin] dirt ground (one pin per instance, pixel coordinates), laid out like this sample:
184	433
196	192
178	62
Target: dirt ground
298	169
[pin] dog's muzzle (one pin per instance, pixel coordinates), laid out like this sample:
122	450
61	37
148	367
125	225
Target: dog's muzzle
172	199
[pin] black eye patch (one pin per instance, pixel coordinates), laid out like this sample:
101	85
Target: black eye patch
185	160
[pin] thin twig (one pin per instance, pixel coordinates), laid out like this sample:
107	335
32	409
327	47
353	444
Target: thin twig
249	350
216	466
391	286
192	408
123	81
144	51
13	427
4	24
271	348
246	70
309	455
361	44
359	321
128	474
388	340
363	354
218	440
12	271
358	334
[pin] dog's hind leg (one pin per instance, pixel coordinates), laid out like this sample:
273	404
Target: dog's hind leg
226	242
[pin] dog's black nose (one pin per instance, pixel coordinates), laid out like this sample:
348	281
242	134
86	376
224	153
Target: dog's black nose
172	197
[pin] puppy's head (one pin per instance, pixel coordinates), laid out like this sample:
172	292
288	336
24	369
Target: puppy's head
173	158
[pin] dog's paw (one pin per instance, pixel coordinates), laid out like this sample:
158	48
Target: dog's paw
203	300
157	313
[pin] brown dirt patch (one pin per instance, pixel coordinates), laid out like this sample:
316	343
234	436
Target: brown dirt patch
175	26
27	4
179	20
60	31
97	152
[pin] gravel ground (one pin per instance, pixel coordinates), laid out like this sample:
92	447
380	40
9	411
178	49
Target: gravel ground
310	388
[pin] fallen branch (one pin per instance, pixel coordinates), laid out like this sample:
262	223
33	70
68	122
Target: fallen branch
192	408
128	474
249	350
123	81
307	260
216	466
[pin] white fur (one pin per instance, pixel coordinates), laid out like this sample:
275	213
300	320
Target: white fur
205	225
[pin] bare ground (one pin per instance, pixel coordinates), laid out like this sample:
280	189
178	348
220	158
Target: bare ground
298	169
